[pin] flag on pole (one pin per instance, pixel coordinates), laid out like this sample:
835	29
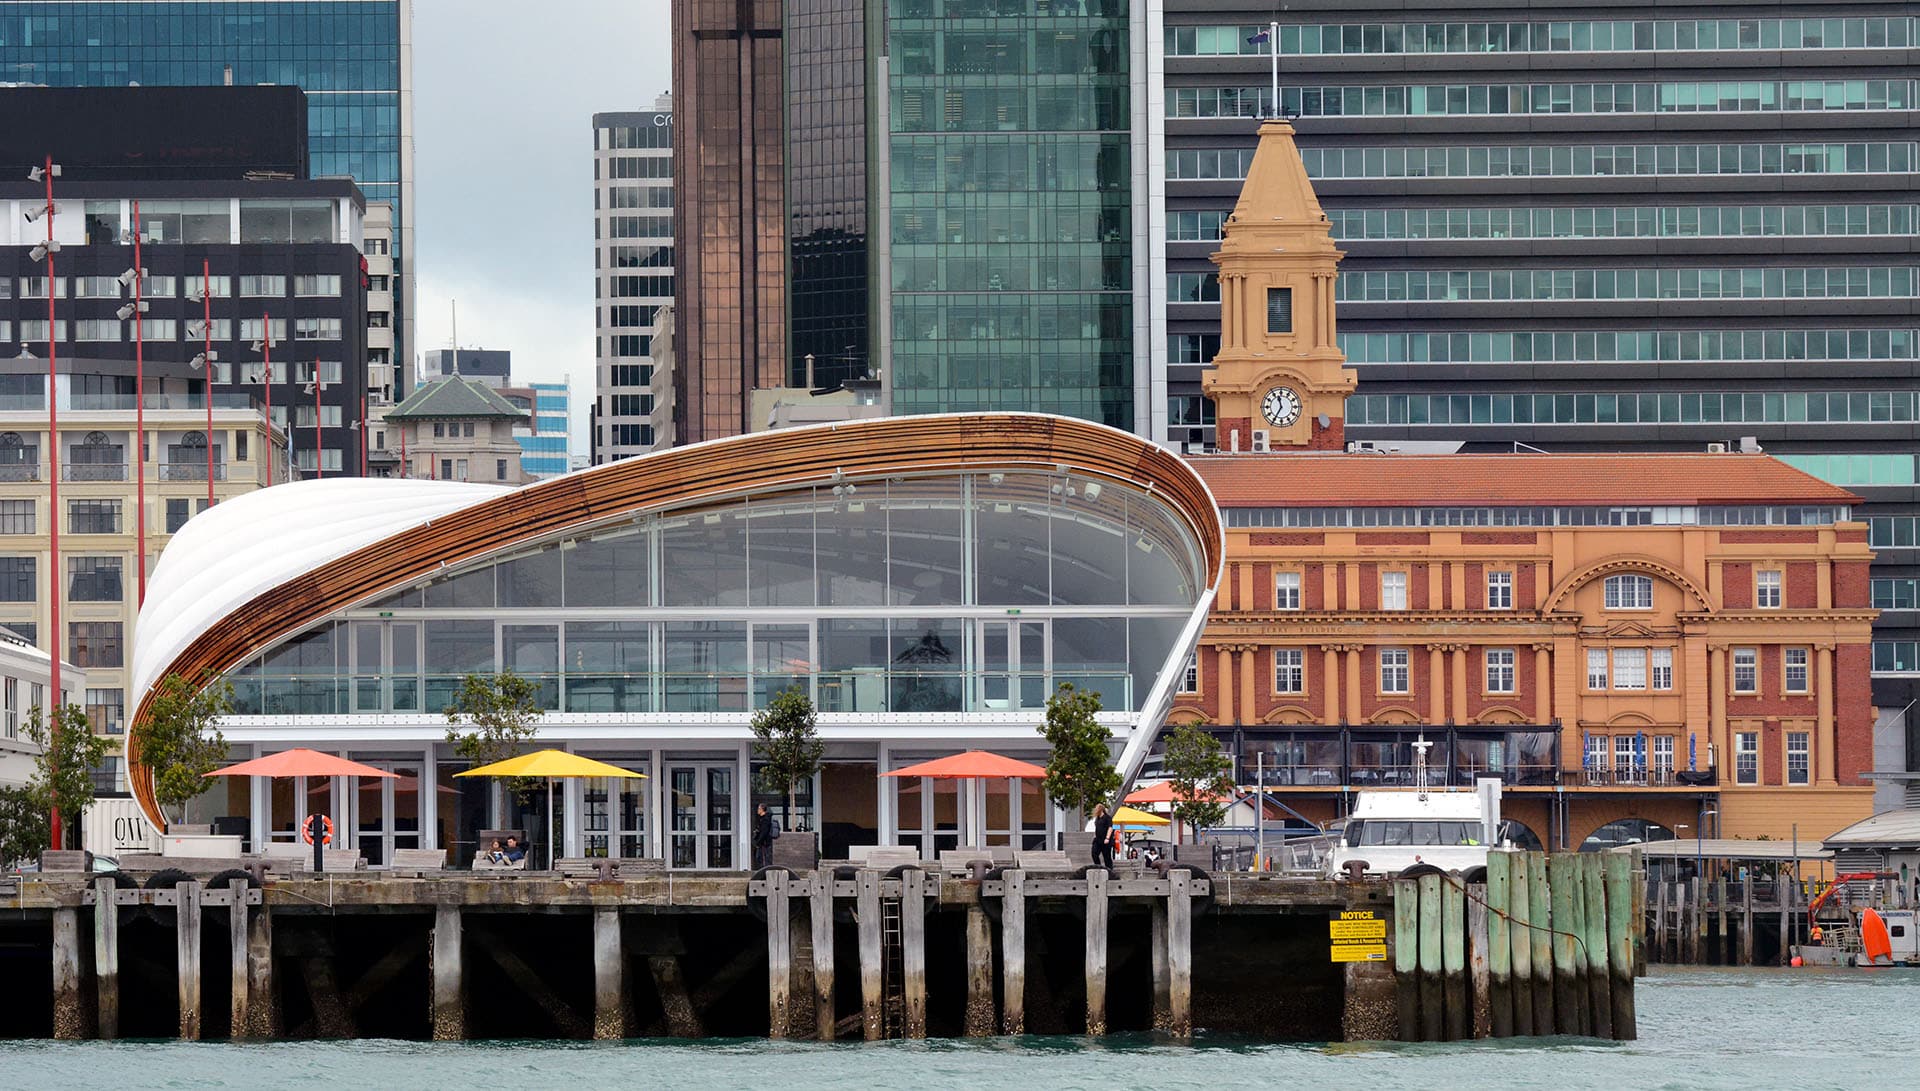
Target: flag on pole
1260	39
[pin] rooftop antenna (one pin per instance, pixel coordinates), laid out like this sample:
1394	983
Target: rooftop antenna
453	306
1420	748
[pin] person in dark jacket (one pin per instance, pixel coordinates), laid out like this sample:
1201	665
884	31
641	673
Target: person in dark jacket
763	835
1102	837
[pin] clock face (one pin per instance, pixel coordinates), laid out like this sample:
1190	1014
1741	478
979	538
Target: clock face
1281	406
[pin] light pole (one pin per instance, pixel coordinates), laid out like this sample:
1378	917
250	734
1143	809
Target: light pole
206	358
47	173
315	387
1677	828
137	311
1699	855
264	346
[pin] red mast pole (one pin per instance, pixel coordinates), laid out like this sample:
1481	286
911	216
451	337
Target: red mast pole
53	492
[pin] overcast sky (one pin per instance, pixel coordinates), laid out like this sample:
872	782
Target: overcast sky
503	105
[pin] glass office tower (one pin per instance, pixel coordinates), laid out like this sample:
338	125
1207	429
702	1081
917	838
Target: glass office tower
351	57
1010	192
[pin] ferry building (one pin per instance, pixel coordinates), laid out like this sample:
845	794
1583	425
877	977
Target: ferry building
928	581
1638	645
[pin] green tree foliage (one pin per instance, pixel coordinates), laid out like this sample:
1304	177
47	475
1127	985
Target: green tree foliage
786	738
500	713
180	740
23	826
1080	769
63	770
1202	776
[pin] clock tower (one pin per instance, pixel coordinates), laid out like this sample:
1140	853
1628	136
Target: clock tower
1279	380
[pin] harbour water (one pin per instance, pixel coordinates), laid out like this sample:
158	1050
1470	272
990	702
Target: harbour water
1700	1028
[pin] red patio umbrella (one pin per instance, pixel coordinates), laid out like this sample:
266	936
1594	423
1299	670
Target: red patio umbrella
300	762
972	765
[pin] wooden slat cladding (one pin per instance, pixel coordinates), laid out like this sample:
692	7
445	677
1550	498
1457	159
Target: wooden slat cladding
689	476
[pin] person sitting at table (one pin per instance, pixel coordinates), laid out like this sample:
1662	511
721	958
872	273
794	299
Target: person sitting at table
516	853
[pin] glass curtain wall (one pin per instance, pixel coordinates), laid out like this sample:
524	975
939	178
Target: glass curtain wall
1010	192
957	593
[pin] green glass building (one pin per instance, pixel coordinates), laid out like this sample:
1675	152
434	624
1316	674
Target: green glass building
1009	185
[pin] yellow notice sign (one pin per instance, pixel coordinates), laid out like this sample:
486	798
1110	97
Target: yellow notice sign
1358	952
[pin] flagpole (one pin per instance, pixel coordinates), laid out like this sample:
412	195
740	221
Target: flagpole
1273	50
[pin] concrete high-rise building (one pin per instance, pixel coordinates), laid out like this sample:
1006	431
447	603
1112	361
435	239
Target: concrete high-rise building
354	58
633	273
1627	227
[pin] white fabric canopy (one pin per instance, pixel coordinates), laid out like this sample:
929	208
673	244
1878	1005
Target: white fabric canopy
240	548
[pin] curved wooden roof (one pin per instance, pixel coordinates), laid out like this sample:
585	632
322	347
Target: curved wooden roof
686	475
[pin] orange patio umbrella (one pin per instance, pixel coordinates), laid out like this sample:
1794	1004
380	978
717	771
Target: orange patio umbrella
975	765
972	765
1163	793
300	762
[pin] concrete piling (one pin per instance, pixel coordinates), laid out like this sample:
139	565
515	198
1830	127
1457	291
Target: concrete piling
867	903
106	958
1013	953
979	1014
1180	954
609	976
449	1001
1096	960
69	1020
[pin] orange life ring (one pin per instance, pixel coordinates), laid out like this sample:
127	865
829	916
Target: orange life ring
326	829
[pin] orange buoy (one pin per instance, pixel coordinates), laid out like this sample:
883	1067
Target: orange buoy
1797	961
1876	945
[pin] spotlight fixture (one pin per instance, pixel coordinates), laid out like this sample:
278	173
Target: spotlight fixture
39	174
129	309
41	250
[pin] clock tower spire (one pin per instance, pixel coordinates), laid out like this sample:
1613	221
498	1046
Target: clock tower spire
1279	380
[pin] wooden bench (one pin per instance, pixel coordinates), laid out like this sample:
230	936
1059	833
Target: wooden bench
1044	861
287	856
66	860
884	857
417	862
586	867
337	860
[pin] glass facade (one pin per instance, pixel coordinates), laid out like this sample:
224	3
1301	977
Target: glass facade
1455	99
1710	407
1575	36
952	593
633	273
1010	188
827	215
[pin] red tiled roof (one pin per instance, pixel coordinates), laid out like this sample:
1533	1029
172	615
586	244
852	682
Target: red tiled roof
1313	480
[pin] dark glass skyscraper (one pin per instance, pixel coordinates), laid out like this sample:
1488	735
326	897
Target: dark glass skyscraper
352	57
827	183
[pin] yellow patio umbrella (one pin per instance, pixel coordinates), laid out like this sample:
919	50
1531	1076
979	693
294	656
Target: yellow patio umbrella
1135	817
550	765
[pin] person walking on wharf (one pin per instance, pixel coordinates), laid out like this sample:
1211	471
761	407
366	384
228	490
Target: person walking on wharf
763	835
1102	837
